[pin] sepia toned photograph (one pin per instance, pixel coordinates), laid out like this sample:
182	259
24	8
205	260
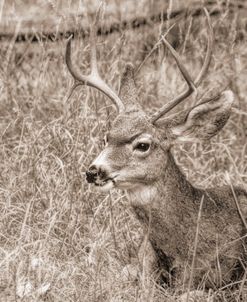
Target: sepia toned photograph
123	151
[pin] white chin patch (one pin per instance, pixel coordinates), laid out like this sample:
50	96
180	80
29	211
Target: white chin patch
104	187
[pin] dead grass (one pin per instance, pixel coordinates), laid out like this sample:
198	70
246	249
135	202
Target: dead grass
59	239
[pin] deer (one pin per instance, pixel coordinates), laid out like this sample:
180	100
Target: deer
137	157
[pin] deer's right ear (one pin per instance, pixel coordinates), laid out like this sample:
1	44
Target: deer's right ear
128	90
204	120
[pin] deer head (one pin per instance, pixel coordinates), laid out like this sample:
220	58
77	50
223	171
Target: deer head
137	146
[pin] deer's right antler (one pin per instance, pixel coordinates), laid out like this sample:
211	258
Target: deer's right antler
191	85
93	79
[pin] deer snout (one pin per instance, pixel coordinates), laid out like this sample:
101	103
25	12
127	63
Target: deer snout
95	173
91	174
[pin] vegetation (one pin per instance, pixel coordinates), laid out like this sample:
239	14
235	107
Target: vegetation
60	240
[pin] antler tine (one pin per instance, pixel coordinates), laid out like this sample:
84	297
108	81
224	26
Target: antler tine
191	85
93	79
208	56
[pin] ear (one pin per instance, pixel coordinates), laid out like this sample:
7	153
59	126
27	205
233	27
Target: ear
204	120
128	90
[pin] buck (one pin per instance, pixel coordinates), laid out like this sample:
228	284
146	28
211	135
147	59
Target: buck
137	158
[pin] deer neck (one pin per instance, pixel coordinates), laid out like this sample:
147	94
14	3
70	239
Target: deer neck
167	209
170	190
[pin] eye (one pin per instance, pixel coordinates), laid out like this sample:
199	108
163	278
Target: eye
143	147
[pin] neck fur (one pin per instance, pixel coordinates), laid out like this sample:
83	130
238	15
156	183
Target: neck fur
165	208
173	185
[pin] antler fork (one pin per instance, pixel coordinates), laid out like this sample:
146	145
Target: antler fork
93	79
191	85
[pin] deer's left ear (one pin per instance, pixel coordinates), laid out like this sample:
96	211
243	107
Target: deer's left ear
204	120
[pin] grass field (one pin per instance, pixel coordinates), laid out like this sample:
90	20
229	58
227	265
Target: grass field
60	240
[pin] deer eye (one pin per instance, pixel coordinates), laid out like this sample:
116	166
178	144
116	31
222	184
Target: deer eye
143	147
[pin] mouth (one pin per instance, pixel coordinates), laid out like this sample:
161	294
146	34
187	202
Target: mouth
102	183
105	184
114	182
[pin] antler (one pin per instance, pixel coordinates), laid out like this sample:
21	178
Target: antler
191	85
93	79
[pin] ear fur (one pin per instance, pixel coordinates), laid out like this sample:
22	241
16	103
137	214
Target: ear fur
128	91
204	120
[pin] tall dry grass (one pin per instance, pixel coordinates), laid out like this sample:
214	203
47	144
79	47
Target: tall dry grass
59	239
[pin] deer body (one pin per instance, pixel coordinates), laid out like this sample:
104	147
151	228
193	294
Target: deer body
137	158
169	212
167	205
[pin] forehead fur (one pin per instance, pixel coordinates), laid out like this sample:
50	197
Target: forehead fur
128	124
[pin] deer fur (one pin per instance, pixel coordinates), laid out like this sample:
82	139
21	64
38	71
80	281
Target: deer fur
163	200
137	158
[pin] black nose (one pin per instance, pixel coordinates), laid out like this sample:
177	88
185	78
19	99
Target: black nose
91	174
